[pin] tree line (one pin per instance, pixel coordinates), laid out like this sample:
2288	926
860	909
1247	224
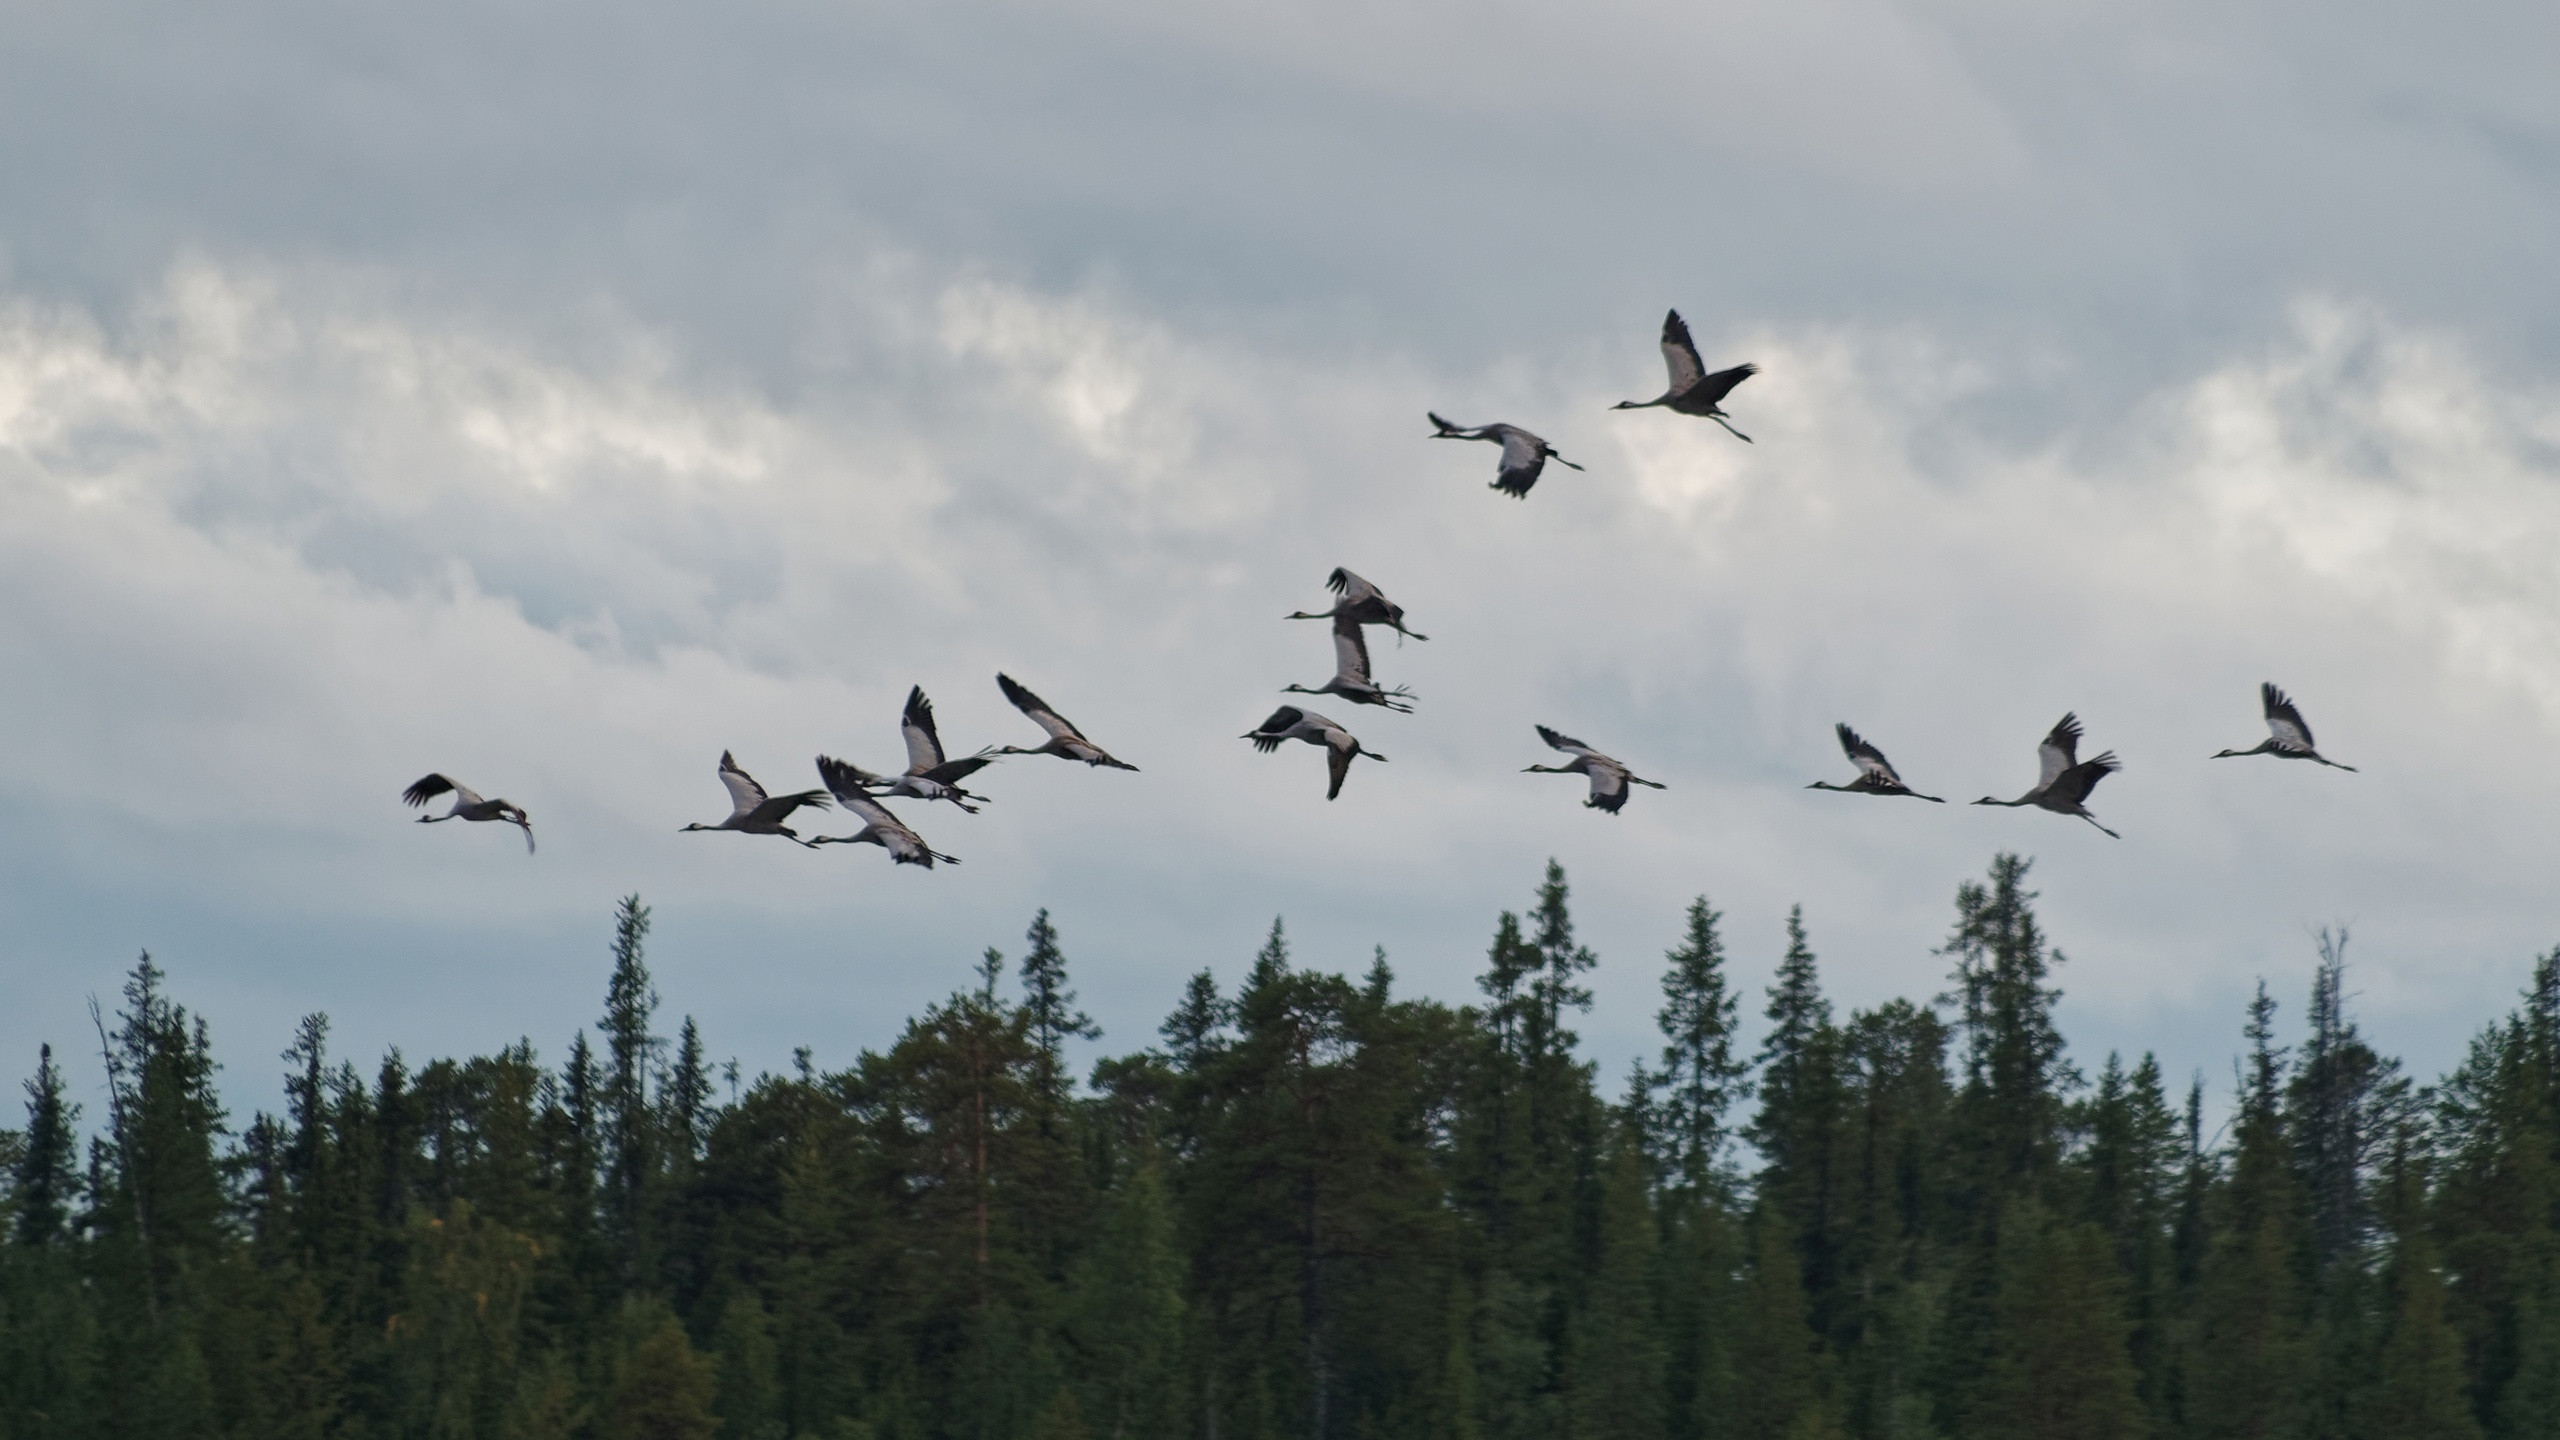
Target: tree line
1316	1207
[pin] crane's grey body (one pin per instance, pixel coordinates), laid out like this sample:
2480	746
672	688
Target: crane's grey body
879	827
1065	740
1291	723
1351	678
930	774
1524	456
1609	777
753	812
2289	735
1875	773
467	805
1361	602
1693	391
2064	783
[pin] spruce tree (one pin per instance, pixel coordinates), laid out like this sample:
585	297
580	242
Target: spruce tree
2419	1390
2252	1356
1049	1003
631	1050
1797	1127
2009	1113
1774	1353
1555	987
1125	1314
1700	1076
47	1175
1618	1391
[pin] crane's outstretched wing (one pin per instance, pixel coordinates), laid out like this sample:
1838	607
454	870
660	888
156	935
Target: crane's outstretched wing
2285	722
1869	760
846	782
1266	737
744	793
1350	651
2079	780
1038	709
1680	354
1524	458
2058	750
428	788
1351	587
1337	759
1565	743
1713	388
1608	788
924	747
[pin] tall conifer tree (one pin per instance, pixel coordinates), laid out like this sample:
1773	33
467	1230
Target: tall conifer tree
47	1179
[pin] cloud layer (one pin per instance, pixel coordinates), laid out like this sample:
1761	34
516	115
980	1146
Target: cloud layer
278	541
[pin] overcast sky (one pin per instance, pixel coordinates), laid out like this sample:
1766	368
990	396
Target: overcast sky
556	396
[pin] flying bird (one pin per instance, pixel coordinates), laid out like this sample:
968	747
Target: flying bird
1361	602
1523	455
752	812
930	776
1291	723
879	827
1609	777
2065	781
2289	736
1693	391
1351	672
1065	740
467	805
1875	773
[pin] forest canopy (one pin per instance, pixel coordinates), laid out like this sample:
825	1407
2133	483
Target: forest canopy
1314	1207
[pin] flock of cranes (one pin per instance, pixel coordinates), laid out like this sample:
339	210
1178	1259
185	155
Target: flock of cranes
2062	786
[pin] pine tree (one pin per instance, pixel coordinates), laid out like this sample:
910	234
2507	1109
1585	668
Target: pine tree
47	1175
1700	1076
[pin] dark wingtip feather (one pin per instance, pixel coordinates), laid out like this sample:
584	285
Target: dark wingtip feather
427	788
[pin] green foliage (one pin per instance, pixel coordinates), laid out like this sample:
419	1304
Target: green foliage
2059	1364
1315	1208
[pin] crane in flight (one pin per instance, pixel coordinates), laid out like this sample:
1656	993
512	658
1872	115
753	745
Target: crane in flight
1291	723
1875	773
1351	672
2065	781
1609	777
1693	391
1524	456
467	805
879	827
2289	736
1361	602
1065	740
753	812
